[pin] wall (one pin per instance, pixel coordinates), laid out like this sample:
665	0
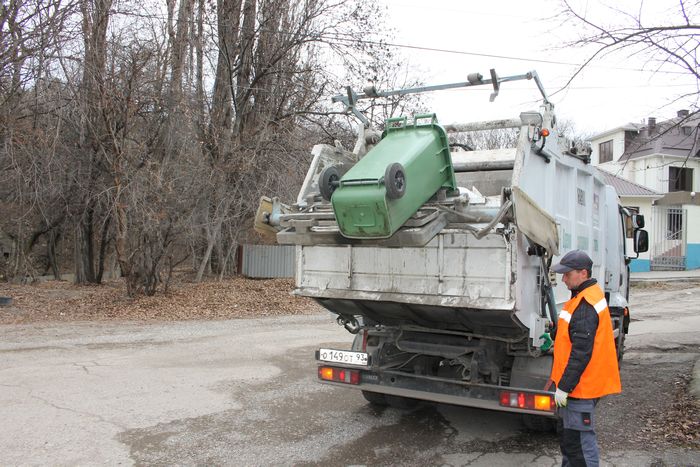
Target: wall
693	237
652	172
618	139
267	261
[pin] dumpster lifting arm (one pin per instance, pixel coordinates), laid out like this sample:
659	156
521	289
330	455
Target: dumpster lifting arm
473	79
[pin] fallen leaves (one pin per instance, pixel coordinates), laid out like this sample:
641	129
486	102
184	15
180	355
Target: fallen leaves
679	424
232	298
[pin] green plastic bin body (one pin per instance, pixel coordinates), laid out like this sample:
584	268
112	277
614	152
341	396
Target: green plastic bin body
361	205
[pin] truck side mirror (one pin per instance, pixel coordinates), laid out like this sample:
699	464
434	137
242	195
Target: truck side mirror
641	241
638	221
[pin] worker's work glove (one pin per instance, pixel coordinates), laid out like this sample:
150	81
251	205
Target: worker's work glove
547	342
560	398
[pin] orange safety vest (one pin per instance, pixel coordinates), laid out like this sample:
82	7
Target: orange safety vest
602	375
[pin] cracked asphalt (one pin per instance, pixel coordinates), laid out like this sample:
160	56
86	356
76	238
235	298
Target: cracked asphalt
244	392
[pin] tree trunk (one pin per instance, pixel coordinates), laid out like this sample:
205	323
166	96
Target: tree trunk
104	240
84	249
179	52
230	256
199	77
211	240
121	241
245	75
229	13
95	21
51	244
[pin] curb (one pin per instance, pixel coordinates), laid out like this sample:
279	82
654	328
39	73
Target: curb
695	382
659	280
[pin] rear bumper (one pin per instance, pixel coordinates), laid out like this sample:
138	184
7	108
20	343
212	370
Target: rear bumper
434	389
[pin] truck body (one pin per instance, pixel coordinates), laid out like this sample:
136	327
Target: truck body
452	307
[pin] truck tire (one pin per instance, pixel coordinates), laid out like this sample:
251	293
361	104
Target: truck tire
618	316
620	345
540	424
395	181
328	181
375	398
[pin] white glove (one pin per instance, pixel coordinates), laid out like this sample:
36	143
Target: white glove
560	398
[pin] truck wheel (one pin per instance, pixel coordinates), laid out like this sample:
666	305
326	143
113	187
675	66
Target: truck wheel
540	424
374	398
395	181
618	315
328	181
620	345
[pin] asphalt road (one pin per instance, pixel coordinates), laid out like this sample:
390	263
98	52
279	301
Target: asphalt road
244	392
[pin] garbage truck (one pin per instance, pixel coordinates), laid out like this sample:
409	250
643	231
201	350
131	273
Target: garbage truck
438	260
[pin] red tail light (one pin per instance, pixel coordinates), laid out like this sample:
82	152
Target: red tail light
526	400
339	375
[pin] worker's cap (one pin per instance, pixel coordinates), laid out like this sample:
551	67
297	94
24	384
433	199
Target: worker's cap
573	260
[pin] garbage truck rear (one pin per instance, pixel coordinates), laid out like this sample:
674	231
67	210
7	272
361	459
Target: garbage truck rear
439	261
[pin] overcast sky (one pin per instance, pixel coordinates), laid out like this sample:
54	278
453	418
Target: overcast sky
610	93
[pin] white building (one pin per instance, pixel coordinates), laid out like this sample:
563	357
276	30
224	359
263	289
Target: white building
663	157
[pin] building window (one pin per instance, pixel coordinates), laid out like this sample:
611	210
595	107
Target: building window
686	130
680	179
605	152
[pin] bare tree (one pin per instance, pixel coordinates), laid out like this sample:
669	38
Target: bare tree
667	43
30	33
113	147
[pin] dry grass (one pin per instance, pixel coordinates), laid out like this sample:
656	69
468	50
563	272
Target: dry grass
232	298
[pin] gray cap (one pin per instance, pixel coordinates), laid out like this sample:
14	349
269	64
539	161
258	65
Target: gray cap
573	260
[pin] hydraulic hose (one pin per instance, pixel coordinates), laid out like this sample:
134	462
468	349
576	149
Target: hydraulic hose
549	292
551	304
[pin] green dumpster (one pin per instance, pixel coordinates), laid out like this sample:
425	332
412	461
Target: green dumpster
386	187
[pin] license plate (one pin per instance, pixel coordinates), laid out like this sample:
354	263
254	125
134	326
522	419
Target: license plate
343	356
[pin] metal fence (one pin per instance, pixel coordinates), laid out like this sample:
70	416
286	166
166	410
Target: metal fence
267	261
669	249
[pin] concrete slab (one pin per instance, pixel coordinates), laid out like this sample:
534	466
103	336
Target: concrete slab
665	276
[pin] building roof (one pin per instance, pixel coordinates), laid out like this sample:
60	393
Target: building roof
665	138
679	198
624	187
626	127
676	136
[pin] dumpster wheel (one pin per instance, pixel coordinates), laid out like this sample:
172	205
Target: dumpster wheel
395	181
328	181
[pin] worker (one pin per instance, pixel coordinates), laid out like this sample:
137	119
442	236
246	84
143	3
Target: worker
585	360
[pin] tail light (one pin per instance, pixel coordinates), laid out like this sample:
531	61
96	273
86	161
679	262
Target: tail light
527	400
339	375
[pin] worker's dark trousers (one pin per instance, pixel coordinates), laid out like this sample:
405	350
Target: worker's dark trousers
579	446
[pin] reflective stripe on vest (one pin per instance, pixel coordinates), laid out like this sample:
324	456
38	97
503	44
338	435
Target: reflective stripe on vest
602	376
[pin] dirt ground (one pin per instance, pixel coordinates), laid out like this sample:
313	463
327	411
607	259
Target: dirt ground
655	409
657	380
231	298
661	412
